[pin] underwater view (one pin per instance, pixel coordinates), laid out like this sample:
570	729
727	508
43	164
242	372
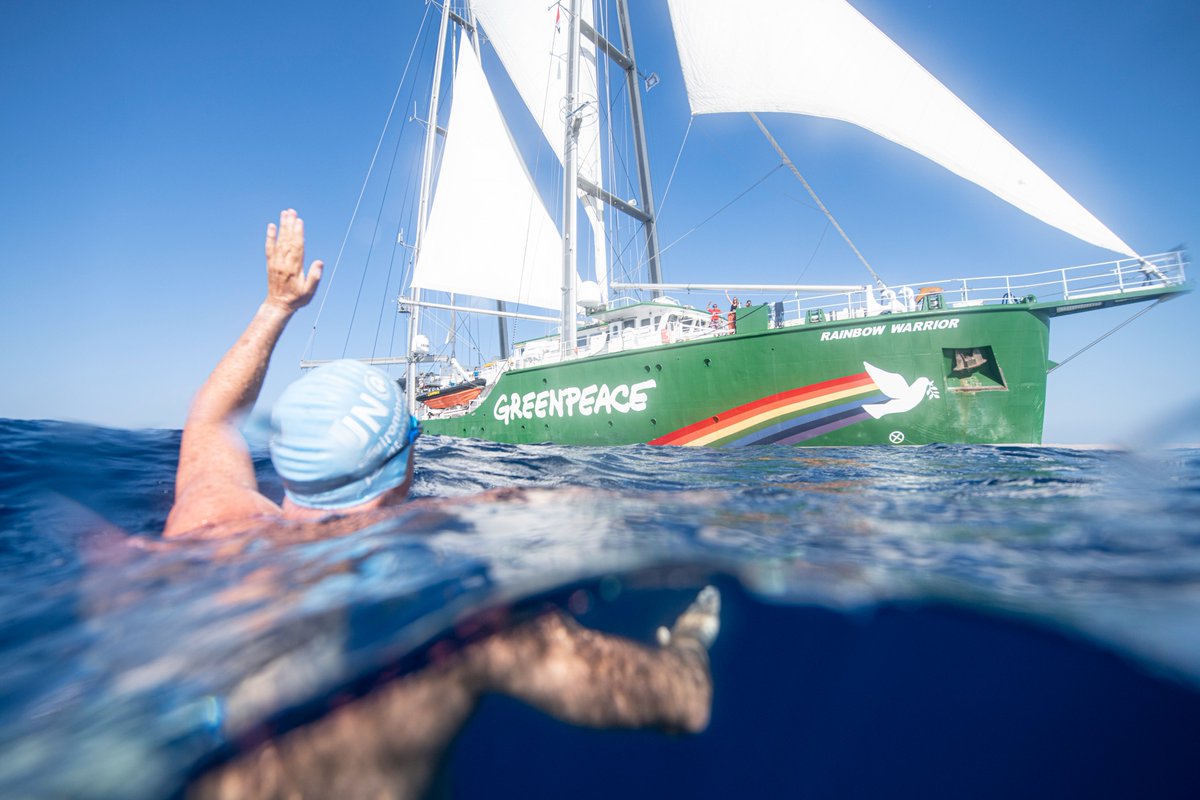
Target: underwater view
940	621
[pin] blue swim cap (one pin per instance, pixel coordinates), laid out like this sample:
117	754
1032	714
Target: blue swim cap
340	435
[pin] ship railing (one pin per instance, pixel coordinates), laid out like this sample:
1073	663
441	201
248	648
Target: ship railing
623	301
1105	278
1118	277
680	333
1121	276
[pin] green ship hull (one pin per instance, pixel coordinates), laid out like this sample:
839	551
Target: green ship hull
970	375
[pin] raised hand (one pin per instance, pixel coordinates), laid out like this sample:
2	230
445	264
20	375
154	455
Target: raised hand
287	285
216	483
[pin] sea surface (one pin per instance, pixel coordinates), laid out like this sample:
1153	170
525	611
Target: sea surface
940	621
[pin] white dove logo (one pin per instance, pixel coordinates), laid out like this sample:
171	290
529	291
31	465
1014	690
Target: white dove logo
905	397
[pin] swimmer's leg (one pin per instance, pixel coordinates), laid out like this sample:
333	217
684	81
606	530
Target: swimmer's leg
589	678
389	743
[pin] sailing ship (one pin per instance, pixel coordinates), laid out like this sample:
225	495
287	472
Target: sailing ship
947	360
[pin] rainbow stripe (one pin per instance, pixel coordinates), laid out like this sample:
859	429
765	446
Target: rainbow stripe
785	418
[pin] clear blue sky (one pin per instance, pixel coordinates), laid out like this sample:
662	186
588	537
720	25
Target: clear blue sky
144	146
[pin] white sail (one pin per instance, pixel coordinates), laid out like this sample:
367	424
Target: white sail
489	235
823	58
530	37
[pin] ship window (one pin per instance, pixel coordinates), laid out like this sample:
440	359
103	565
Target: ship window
658	320
645	323
972	369
628	324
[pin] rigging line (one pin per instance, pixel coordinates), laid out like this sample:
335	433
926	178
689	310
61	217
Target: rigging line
535	196
617	159
788	162
709	218
609	221
616	112
645	244
815	251
386	123
1095	342
472	340
663	202
800	202
366	268
619	257
411	199
820	239
619	155
404	210
451	335
442	327
383	302
409	262
387	284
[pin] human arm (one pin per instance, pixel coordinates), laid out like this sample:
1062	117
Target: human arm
215	481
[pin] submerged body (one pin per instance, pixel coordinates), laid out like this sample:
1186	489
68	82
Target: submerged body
390	743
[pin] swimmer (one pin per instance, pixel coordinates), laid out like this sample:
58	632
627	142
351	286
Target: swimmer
342	442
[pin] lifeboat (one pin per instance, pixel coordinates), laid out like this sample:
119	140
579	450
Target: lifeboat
452	396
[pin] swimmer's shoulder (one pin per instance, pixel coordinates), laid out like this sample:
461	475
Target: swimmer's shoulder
211	503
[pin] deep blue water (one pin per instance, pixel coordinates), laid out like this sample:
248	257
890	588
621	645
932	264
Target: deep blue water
942	621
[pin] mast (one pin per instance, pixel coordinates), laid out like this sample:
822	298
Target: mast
624	58
570	180
414	316
639	141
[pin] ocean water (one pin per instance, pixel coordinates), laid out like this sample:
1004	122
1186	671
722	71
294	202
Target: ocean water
943	621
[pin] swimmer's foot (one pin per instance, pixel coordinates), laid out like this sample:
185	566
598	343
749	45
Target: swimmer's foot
699	624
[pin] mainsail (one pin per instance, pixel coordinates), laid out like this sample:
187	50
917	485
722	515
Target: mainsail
530	37
489	235
823	58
